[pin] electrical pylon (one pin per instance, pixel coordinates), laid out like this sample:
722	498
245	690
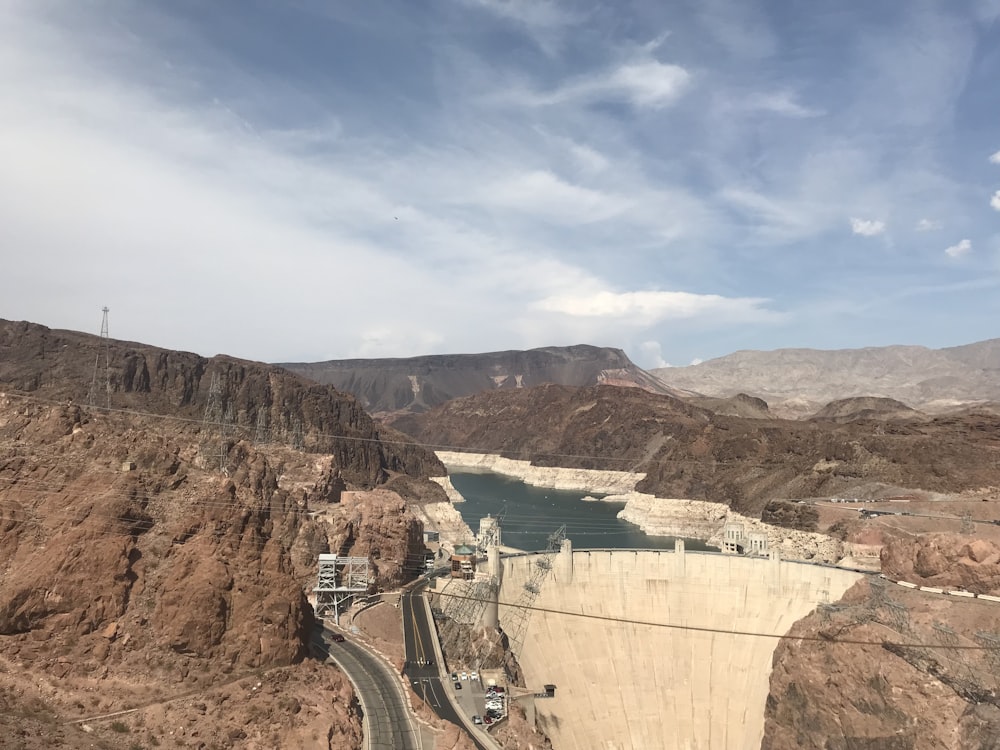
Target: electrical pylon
519	613
105	347
216	418
260	435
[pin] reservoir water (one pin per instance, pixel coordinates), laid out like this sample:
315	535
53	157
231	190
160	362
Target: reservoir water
533	513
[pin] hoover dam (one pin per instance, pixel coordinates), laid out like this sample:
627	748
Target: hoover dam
630	686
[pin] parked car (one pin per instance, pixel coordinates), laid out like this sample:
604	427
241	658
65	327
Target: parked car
458	685
454	676
477	719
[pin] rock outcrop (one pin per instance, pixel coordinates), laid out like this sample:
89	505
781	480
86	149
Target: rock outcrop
254	401
847	678
947	561
146	555
389	387
685	451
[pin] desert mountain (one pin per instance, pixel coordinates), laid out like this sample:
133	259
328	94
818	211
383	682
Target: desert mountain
798	382
255	401
691	452
865	407
152	559
390	386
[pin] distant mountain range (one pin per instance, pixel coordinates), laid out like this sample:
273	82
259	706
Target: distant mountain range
387	387
799	382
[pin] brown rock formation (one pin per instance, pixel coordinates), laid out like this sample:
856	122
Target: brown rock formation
133	572
861	685
59	365
390	387
691	452
945	561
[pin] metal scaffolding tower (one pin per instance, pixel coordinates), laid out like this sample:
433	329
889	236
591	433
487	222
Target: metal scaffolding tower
490	531
216	418
515	623
340	579
466	600
260	436
105	348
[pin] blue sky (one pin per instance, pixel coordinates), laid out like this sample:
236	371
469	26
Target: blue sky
306	180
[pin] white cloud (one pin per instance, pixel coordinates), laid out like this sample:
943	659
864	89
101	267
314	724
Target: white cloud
648	307
697	361
652	355
867	227
995	201
927	225
995	158
956	251
780	103
551	198
532	13
644	84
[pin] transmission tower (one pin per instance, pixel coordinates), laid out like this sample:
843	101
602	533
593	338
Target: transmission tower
991	647
945	634
105	348
216	418
519	613
260	435
466	600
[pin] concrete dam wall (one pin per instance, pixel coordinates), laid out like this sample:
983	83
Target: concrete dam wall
624	686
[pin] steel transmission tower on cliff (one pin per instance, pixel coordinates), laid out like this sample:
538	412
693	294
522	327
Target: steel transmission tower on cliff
105	348
519	613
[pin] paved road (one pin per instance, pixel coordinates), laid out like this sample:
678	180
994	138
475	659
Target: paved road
420	669
389	723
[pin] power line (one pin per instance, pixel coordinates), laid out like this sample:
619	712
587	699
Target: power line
248	432
746	633
104	346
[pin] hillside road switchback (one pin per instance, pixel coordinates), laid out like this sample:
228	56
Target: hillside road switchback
388	723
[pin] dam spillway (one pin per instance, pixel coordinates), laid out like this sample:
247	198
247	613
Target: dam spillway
628	686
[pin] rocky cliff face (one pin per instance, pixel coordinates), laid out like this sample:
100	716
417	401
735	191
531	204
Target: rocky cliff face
131	575
890	667
945	561
149	560
261	401
688	452
388	387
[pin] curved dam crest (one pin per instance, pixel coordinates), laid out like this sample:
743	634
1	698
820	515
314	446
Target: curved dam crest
628	686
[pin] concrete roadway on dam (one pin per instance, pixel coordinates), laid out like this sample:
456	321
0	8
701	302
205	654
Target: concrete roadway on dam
388	723
421	668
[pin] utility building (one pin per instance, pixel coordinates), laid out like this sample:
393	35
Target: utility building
463	562
733	539
756	543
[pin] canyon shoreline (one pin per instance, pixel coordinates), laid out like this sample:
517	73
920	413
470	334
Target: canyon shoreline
668	517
